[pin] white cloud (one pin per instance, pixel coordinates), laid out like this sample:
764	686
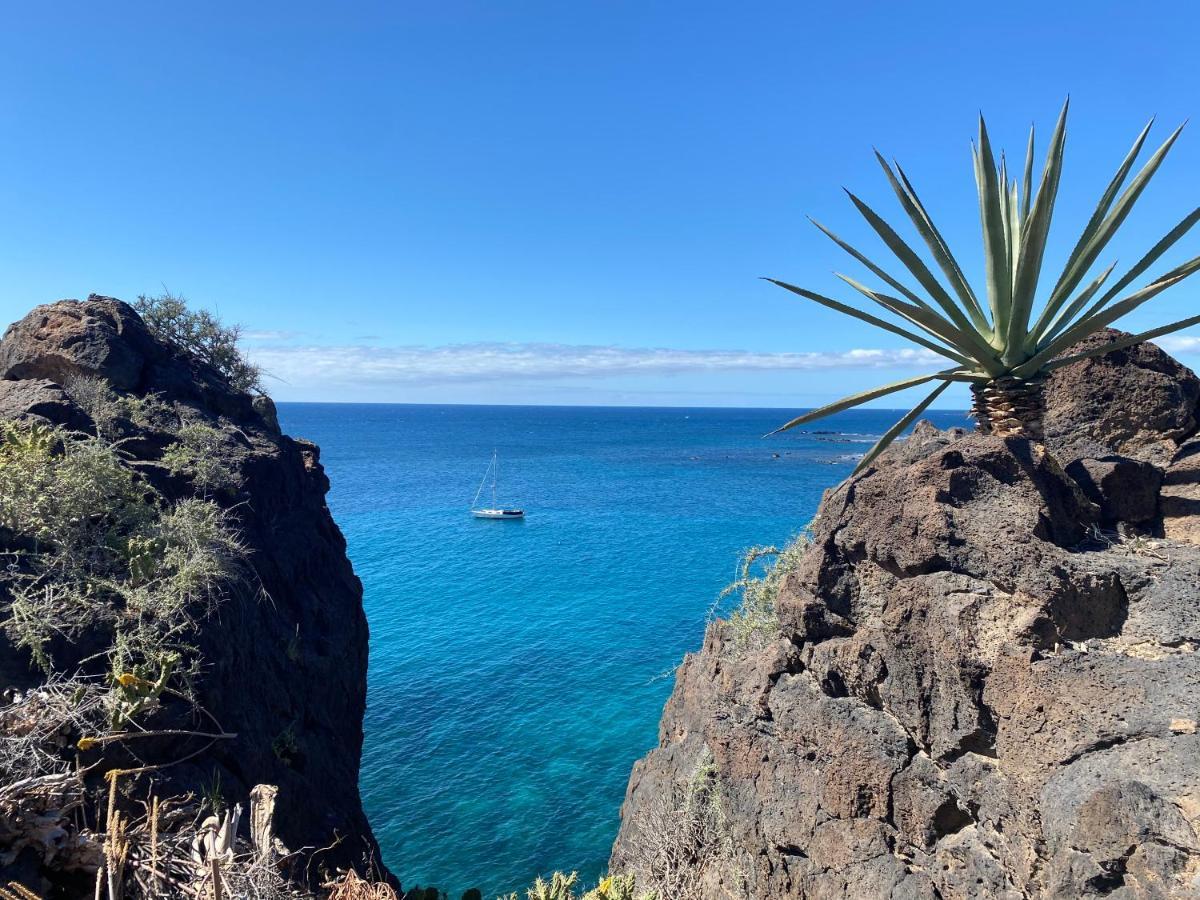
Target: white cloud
1179	343
459	363
270	335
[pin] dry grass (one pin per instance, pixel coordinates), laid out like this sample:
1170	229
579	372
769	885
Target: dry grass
681	837
352	886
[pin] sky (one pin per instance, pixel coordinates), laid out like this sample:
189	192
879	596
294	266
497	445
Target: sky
554	202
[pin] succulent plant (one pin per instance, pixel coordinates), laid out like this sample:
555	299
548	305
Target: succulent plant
1005	350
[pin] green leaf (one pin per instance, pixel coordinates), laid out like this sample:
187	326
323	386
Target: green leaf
1095	322
1033	237
1027	181
923	317
855	400
866	317
913	263
1122	343
892	433
1149	259
937	244
1076	305
995	240
879	273
1082	259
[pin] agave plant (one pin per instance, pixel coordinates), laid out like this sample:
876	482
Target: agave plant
1006	350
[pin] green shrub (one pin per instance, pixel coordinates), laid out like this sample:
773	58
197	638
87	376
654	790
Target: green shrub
562	887
90	545
105	407
201	454
202	334
761	574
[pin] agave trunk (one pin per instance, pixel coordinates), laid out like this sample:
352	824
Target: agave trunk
1009	407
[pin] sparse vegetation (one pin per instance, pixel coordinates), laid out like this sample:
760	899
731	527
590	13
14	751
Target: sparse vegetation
106	408
91	546
760	576
202	334
201	454
562	887
680	836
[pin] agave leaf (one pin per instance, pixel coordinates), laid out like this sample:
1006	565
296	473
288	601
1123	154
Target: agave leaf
866	317
1149	259
892	433
1027	181
1122	343
1015	242
999	279
913	263
937	244
1081	261
1033	240
1058	296
878	272
922	317
1098	320
1076	305
855	400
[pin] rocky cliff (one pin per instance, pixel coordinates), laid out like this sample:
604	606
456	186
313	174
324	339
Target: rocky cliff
283	658
981	680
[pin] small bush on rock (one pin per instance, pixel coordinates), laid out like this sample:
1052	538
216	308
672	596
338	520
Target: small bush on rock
90	545
202	334
202	455
761	574
562	887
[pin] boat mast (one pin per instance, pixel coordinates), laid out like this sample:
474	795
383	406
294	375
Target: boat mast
495	475
483	481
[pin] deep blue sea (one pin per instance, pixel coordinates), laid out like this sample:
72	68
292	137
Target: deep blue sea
519	668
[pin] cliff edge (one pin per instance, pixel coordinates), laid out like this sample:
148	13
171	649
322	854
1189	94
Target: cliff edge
979	679
279	664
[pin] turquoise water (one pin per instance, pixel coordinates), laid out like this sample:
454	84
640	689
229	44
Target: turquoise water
519	668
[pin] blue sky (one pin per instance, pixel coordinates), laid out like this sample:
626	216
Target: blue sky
550	202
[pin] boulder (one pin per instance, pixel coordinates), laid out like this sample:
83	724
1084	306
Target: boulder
1125	490
43	401
104	338
101	337
1180	498
1138	402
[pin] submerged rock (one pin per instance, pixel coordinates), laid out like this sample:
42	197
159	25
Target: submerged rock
976	687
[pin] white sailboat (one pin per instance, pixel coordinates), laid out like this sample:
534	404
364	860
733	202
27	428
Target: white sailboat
494	511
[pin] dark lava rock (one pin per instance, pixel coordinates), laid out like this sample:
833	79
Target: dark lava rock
1126	490
285	660
969	693
39	400
1138	402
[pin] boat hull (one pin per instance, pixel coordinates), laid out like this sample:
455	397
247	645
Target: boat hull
498	513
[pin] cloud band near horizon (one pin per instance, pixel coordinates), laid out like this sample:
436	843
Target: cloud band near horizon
464	363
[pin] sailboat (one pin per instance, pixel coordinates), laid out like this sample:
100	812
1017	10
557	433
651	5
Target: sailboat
494	511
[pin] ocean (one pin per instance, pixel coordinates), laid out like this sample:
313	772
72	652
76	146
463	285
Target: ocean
518	668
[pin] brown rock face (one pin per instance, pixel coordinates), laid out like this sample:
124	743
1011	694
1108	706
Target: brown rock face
972	691
285	660
1137	402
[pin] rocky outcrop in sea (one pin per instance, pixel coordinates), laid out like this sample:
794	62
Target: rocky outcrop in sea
283	659
981	680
